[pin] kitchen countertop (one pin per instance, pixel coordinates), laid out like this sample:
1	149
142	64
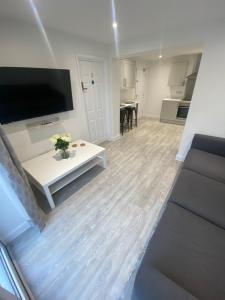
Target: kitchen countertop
176	100
128	104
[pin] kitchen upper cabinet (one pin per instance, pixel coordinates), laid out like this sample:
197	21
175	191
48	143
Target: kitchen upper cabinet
178	74
127	74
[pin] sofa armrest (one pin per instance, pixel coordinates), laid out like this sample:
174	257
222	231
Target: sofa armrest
211	144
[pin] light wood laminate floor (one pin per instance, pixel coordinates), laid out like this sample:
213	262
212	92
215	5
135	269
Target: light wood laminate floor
95	238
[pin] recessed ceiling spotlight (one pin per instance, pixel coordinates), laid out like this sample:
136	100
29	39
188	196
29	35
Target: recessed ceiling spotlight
114	25
160	56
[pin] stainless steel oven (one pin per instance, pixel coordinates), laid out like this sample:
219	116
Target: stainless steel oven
182	111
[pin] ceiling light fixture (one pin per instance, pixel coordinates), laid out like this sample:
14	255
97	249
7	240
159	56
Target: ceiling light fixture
114	25
160	56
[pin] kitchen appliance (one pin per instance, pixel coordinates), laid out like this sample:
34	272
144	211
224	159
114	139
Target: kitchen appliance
182	111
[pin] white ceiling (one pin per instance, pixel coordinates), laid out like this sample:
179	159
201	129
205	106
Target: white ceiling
92	18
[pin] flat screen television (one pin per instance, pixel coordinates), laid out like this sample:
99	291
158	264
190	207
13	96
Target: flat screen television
33	92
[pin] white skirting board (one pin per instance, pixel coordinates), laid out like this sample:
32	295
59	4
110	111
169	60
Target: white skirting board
150	116
114	138
180	157
16	232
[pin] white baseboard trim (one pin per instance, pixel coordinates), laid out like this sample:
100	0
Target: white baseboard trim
114	138
16	232
153	117
180	157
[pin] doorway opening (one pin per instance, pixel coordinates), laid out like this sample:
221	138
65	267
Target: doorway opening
158	85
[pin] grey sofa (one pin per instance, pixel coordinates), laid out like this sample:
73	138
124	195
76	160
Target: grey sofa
185	259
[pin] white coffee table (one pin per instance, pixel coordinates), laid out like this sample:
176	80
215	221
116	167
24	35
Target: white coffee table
49	173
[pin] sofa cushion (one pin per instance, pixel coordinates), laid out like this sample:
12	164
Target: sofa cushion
190	251
151	284
205	163
201	195
207	143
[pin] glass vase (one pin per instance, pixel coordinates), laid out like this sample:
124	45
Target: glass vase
65	154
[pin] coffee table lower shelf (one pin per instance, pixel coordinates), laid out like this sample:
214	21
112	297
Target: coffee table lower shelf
55	187
52	188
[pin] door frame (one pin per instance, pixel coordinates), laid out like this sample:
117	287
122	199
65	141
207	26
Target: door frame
14	275
91	58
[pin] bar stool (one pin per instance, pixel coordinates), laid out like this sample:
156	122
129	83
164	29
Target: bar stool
123	117
136	114
130	111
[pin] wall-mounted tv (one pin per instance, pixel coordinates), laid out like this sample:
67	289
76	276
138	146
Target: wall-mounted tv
33	92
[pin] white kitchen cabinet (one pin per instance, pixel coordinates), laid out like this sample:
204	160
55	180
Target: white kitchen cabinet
178	73
170	109
127	74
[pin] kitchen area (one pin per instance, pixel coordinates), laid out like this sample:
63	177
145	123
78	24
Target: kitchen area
132	93
182	79
156	86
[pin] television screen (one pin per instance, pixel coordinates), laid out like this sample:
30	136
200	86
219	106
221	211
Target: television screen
33	92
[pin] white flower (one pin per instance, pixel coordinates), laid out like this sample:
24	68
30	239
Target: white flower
66	138
53	140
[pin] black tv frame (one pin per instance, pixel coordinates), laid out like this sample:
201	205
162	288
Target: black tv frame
62	90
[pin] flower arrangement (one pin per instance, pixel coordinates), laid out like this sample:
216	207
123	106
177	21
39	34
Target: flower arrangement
61	142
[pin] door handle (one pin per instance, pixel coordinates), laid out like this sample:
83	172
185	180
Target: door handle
82	86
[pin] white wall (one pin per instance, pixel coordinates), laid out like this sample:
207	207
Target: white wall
157	87
127	94
157	83
13	218
207	110
24	45
114	83
141	85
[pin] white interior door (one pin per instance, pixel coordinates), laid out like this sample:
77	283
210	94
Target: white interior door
92	77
